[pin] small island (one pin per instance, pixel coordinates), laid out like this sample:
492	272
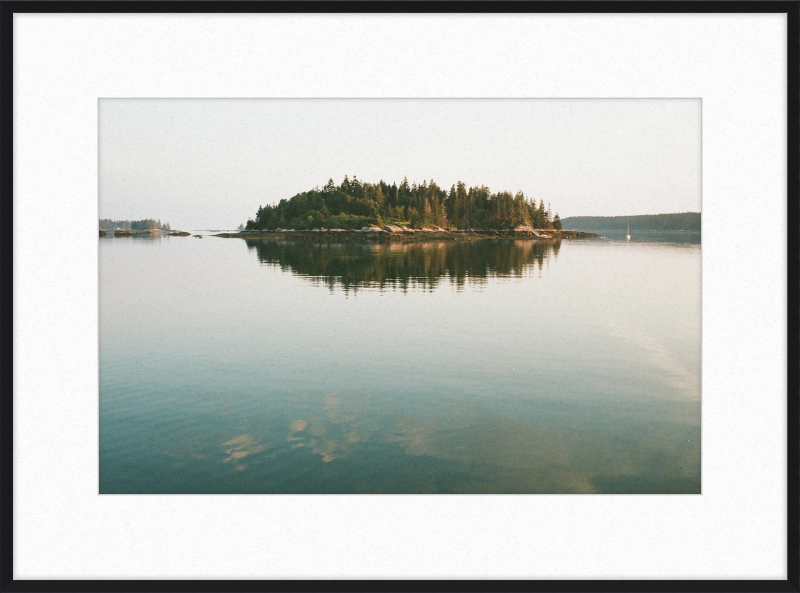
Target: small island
127	228
356	211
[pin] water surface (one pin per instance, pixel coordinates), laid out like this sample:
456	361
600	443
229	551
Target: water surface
233	366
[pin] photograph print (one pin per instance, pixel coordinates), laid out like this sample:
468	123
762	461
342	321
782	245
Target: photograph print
357	296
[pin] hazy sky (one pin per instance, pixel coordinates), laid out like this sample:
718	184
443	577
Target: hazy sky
210	163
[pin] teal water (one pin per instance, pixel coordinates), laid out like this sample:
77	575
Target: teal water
233	366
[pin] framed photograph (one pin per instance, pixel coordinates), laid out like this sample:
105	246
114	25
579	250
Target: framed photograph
388	295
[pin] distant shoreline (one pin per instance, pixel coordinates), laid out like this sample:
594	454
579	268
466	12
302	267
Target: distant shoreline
382	235
678	221
131	233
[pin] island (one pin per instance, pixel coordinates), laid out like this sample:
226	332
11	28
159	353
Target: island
127	228
355	211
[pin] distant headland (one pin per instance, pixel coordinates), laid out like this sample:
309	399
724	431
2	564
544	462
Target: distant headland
682	221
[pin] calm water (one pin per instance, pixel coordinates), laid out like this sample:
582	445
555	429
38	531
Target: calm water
232	366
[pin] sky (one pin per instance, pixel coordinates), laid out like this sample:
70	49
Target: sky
210	163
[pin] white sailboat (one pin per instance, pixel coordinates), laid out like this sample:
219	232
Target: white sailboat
629	232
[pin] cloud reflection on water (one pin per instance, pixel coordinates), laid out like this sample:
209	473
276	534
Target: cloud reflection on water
467	448
499	453
240	447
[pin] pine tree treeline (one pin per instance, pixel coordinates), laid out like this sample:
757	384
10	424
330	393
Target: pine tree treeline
354	204
147	224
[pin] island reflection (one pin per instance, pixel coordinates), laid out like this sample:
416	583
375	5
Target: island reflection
404	265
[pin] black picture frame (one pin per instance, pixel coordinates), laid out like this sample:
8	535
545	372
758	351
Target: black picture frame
9	8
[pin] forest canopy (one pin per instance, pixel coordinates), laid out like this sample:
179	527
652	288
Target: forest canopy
354	204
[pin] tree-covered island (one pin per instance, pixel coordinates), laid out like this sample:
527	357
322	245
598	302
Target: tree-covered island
127	228
148	224
354	205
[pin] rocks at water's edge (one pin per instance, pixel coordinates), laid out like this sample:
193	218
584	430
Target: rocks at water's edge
394	233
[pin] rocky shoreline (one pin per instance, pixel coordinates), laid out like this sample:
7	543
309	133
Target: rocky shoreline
392	233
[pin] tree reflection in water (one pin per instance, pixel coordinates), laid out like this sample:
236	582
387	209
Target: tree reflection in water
401	265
